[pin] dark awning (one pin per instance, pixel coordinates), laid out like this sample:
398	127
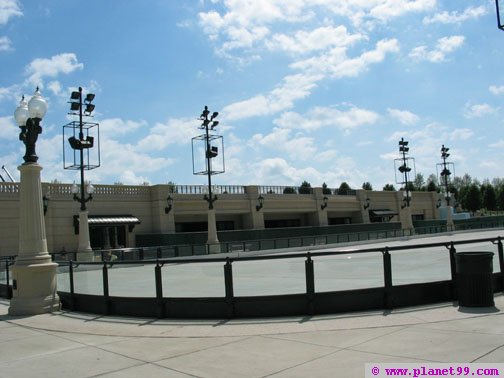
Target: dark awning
108	220
383	213
115	219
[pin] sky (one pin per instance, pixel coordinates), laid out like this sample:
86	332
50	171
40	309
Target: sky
315	90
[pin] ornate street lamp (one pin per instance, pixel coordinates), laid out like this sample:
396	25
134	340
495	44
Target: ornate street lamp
82	137
34	274
169	203
211	148
323	205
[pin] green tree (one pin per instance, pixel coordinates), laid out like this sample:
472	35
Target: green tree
500	197
389	188
305	188
343	188
489	197
418	182
289	190
472	199
367	186
432	183
325	189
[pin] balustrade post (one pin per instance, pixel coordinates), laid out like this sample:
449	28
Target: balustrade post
228	282
106	289
310	284
500	251
387	278
453	270
159	289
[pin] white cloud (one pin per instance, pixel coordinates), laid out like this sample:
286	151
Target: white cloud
456	17
42	67
478	110
5	44
317	39
443	47
319	117
292	88
8	128
386	9
298	147
8	9
336	64
403	116
496	90
499	144
55	87
461	134
118	126
174	131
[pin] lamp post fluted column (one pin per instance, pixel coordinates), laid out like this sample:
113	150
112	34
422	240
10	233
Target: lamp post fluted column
34	274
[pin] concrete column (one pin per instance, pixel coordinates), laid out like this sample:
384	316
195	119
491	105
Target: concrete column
406	221
213	241
254	219
361	197
321	218
450	226
84	251
34	274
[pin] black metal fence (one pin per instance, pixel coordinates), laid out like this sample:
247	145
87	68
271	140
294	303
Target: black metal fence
385	296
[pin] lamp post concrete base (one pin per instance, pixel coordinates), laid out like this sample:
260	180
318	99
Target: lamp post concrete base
213	245
84	252
34	274
407	222
450	226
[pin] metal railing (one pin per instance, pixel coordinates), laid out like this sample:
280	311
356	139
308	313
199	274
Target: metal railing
390	298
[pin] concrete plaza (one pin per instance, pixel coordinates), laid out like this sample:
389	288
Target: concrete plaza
69	344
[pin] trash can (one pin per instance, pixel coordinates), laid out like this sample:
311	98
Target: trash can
474	278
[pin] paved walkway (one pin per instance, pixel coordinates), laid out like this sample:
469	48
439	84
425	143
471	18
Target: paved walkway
66	344
69	344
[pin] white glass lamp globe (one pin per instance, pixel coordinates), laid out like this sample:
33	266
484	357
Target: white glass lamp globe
75	188
90	189
37	106
21	114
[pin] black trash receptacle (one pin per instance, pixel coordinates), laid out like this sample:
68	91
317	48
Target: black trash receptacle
474	278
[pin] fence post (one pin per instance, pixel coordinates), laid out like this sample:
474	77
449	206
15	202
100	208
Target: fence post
310	284
453	270
387	279
159	289
72	289
228	283
500	250
9	290
106	289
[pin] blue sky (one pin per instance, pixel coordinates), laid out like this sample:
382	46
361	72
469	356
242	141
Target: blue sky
316	90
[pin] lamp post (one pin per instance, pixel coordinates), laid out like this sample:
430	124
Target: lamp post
34	274
445	182
208	124
405	168
81	143
500	22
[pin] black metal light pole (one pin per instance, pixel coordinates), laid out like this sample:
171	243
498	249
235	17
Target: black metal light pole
210	152
81	143
500	23
404	169
445	173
